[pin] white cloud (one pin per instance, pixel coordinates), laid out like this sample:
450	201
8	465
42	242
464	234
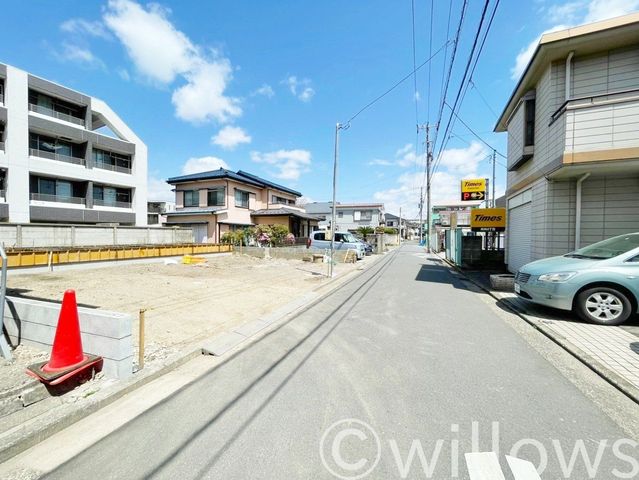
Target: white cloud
162	53
80	26
265	90
569	15
202	98
383	163
300	88
303	200
455	165
404	157
289	164
159	191
230	137
124	74
81	55
203	164
463	161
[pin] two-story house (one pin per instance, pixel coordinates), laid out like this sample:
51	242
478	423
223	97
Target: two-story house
573	142
66	157
215	202
349	216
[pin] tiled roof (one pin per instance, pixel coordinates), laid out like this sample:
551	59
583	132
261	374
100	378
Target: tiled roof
240	176
284	211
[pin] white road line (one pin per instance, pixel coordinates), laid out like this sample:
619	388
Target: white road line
522	469
484	466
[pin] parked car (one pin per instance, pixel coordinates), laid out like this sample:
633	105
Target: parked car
368	248
600	282
343	241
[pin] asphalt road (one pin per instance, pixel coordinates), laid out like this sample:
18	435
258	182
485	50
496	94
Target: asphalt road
426	368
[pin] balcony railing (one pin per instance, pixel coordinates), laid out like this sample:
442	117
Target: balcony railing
56	156
44	197
113	168
2	146
109	203
59	115
1	98
3	195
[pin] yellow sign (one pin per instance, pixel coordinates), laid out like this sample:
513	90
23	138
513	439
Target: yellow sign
473	185
488	219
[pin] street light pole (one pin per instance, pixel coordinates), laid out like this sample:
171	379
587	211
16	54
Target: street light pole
338	127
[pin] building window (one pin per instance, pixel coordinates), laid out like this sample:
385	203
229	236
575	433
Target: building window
364	215
215	197
106	196
191	198
241	199
340	214
529	132
117	162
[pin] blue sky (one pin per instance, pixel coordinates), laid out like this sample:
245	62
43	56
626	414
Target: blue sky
260	86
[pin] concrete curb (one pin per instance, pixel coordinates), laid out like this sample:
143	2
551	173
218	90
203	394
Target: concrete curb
30	433
604	372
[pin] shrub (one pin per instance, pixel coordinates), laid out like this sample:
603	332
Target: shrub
363	231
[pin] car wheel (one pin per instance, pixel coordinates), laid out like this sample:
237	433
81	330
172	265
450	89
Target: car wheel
603	306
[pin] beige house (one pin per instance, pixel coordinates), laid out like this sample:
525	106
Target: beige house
573	147
215	202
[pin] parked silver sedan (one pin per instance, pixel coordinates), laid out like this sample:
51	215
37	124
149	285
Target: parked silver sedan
600	282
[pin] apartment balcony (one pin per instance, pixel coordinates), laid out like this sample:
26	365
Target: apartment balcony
113	168
2	146
601	127
44	197
55	114
2	98
109	203
56	156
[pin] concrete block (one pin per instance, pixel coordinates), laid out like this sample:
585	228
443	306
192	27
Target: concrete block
251	328
33	395
503	282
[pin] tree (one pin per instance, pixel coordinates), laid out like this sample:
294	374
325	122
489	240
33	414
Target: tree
363	231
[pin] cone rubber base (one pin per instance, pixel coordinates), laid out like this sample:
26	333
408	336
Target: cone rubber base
55	378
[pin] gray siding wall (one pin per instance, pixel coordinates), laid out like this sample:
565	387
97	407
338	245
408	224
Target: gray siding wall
516	135
605	72
549	140
560	218
609	208
538	219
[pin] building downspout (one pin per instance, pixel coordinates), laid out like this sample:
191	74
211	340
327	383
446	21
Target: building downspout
568	74
578	211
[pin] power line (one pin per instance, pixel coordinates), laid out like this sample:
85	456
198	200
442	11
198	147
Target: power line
430	52
477	135
412	4
472	84
463	87
406	77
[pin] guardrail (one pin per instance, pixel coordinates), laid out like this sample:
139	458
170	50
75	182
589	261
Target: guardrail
113	168
44	197
35	152
107	203
59	115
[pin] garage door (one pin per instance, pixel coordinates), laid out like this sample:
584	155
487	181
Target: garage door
519	234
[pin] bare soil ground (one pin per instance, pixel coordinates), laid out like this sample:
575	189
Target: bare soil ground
184	303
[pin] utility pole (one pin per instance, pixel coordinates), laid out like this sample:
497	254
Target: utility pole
400	226
493	202
429	161
421	215
338	127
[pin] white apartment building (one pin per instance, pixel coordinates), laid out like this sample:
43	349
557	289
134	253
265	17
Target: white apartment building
573	147
66	157
348	216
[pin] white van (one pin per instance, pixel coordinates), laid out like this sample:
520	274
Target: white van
321	240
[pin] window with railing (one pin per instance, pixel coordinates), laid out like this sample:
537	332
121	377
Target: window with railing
54	107
116	162
56	149
107	196
282	200
216	197
48	189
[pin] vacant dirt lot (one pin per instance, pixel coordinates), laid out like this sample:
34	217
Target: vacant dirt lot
184	303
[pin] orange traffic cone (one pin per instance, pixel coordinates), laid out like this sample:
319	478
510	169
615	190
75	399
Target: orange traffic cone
67	358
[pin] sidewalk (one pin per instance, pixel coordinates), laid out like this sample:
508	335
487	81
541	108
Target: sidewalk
612	352
29	425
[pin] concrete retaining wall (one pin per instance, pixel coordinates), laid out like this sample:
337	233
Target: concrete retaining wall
288	253
104	333
42	236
